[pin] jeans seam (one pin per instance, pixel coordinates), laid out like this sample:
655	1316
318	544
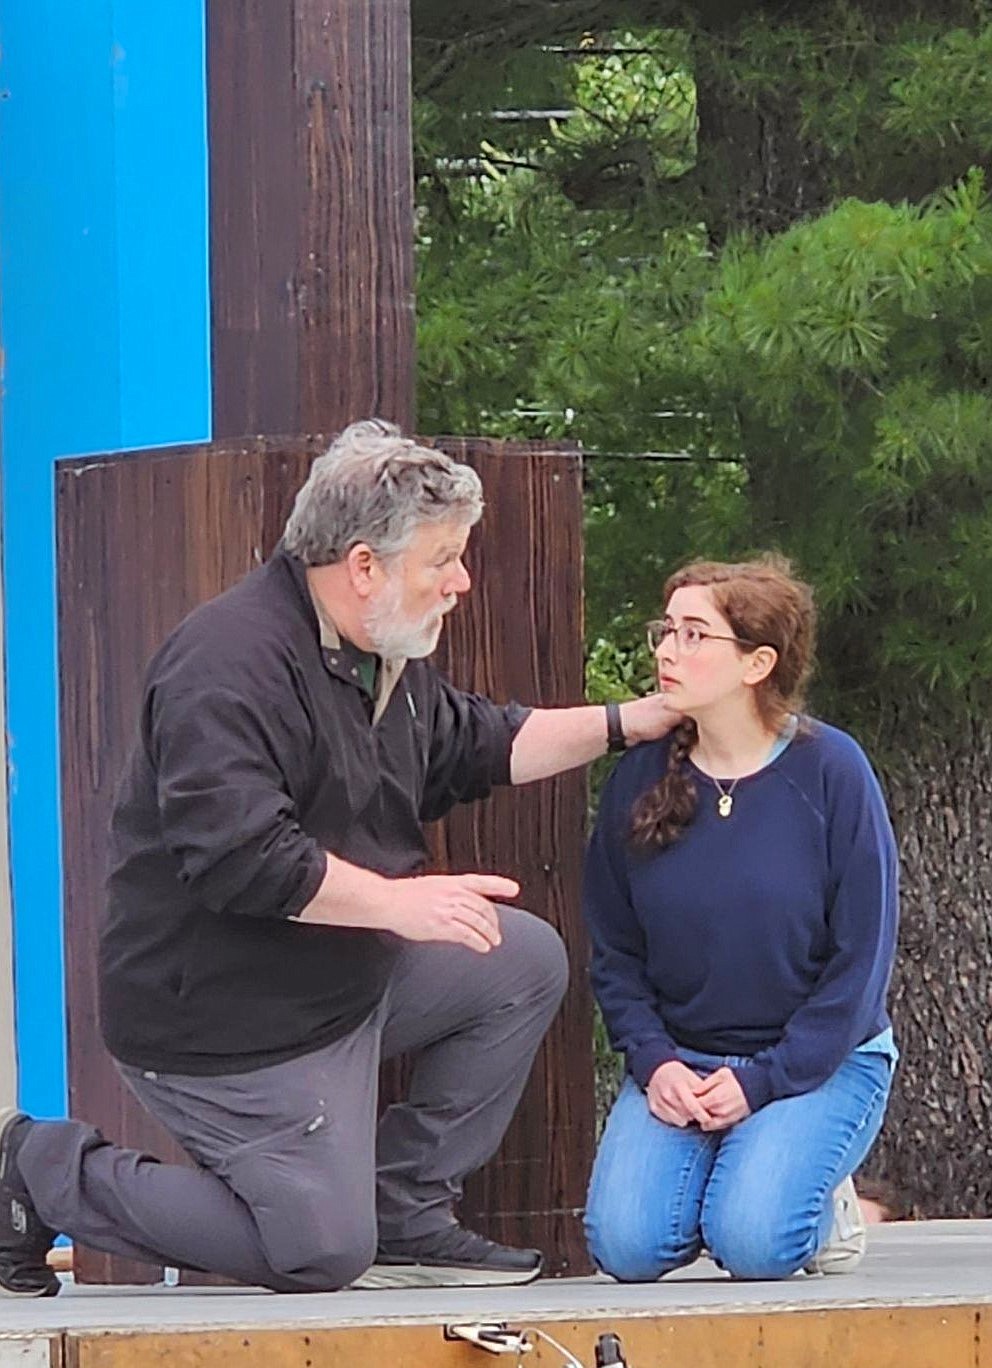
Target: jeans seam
702	1153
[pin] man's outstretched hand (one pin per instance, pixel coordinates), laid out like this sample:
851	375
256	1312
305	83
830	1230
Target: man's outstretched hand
646	719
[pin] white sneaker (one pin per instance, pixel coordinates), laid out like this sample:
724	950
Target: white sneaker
848	1238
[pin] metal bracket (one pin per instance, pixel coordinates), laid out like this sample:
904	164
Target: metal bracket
494	1336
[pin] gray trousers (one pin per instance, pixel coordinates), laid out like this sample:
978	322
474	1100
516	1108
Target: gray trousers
295	1182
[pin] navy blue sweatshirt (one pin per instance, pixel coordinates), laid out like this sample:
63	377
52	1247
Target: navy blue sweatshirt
769	933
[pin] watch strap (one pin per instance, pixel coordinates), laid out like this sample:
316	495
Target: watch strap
615	739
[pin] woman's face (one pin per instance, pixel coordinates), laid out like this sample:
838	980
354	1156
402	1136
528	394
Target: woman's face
698	667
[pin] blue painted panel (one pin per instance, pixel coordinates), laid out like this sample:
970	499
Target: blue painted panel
162	220
104	323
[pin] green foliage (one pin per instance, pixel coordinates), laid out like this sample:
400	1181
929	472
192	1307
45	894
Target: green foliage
886	103
825	388
642	97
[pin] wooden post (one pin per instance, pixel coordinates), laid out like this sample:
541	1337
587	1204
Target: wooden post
142	538
312	327
311	214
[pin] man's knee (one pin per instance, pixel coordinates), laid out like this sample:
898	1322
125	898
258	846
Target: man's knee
538	954
315	1234
327	1271
320	1261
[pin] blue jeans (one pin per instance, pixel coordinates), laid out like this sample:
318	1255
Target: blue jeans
757	1196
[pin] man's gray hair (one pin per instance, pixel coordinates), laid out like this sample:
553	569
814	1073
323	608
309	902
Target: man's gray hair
375	486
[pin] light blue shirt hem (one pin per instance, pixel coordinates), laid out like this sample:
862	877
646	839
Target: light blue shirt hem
883	1043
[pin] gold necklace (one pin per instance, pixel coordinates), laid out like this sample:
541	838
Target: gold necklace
725	803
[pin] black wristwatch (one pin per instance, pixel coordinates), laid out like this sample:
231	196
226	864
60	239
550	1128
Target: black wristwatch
615	739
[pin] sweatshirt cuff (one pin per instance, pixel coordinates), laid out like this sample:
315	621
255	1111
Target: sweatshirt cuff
642	1062
756	1084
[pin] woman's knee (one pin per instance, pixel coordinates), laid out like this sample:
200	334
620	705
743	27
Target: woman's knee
636	1253
759	1244
631	1240
638	1263
755	1261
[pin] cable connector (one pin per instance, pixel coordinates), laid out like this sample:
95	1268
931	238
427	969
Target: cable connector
494	1336
609	1352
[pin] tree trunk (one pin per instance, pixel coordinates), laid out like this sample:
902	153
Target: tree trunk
936	1146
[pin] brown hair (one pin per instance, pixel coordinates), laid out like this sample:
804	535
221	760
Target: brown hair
766	605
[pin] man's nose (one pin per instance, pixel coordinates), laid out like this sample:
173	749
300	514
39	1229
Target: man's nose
460	582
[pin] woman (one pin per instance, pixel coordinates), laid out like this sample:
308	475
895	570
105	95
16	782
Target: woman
741	897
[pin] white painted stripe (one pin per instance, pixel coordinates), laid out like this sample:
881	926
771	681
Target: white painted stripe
27	1352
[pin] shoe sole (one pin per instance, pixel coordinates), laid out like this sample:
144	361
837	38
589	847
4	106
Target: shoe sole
381	1276
837	1263
52	1290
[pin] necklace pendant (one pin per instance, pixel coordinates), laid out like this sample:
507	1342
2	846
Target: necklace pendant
725	805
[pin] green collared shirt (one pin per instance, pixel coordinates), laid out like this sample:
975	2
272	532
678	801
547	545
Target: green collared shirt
378	676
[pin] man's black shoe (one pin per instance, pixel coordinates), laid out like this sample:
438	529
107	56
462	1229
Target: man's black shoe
24	1240
454	1257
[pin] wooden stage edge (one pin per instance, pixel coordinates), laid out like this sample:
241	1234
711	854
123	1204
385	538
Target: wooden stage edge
922	1299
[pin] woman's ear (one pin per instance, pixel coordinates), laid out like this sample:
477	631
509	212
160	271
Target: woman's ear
760	663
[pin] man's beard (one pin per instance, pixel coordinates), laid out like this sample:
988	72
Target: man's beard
394	634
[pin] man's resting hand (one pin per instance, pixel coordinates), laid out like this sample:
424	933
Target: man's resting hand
448	907
457	908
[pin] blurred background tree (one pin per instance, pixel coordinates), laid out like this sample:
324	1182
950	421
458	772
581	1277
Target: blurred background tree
743	252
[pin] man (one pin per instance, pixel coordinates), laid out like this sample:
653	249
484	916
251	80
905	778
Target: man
270	935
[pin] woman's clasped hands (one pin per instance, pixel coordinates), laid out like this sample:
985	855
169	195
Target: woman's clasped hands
679	1097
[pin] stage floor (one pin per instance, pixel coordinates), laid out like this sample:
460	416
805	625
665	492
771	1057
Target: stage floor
933	1263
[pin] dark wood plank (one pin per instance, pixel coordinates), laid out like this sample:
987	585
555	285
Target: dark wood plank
520	636
256	198
143	538
311	208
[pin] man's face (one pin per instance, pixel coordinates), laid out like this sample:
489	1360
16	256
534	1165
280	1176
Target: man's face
421	585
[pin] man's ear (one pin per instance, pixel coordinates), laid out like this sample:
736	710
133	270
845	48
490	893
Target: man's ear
760	664
363	569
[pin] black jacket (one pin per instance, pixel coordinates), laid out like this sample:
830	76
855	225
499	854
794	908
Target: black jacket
255	755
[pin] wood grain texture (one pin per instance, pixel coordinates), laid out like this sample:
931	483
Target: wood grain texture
311	213
522	639
858	1337
142	539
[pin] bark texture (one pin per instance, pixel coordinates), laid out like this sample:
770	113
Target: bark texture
936	1146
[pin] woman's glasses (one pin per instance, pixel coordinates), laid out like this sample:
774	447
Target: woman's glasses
688	637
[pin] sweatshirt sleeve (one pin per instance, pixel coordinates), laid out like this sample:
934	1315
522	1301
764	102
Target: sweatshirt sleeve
224	803
862	915
619	954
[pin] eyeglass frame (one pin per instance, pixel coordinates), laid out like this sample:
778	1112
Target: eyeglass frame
665	629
